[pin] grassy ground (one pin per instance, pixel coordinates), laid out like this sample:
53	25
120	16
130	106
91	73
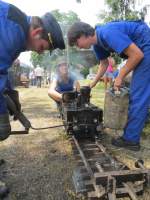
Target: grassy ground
39	165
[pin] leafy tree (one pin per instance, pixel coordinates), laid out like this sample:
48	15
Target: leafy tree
121	9
36	58
84	71
65	19
45	60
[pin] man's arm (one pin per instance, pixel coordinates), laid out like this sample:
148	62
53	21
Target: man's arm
135	55
53	93
77	85
101	71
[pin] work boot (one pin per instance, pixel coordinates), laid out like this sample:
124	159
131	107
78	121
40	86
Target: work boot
121	142
5	128
3	190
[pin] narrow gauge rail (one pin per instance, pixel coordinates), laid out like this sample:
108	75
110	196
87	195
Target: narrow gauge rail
100	176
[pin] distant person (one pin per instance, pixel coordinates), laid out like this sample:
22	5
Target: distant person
45	77
39	73
32	78
48	78
63	82
108	76
127	80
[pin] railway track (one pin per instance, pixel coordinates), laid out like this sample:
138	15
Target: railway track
100	176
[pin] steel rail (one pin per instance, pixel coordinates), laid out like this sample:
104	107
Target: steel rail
97	188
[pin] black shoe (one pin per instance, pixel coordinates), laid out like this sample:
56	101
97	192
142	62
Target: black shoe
121	142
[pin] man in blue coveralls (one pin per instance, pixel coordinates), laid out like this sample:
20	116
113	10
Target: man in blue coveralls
131	40
18	33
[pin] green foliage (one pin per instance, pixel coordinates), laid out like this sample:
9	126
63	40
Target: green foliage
94	69
45	60
65	19
84	71
75	57
116	58
121	9
36	58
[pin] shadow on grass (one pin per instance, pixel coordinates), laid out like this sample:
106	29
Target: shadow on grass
40	171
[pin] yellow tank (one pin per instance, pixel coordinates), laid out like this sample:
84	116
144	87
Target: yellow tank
116	108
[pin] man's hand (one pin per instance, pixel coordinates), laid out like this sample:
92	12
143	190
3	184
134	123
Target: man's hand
118	83
101	71
91	85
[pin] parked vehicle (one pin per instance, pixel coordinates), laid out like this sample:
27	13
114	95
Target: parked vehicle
19	74
91	76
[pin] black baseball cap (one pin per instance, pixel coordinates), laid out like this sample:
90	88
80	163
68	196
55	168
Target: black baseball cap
53	32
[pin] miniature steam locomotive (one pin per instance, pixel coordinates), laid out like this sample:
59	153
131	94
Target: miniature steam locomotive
79	116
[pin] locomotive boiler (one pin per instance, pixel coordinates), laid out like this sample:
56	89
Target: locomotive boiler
80	117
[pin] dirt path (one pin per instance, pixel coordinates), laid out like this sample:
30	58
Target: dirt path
39	165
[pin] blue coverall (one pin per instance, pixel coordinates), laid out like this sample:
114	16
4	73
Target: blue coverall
14	27
116	37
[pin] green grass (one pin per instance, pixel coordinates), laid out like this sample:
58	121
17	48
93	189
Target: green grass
52	148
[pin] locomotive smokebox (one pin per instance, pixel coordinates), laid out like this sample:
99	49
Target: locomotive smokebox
68	97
